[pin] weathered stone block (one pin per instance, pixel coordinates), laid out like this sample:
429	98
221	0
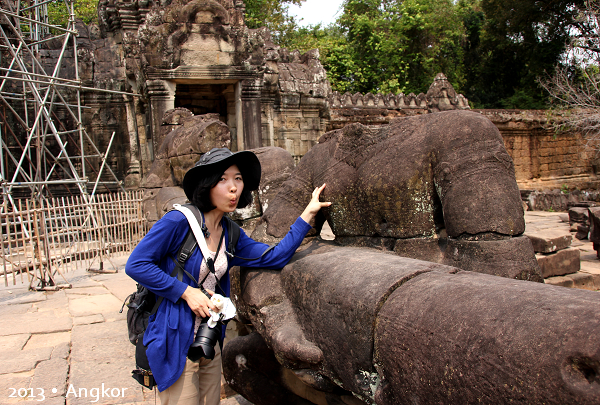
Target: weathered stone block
427	321
166	197
549	240
52	373
179	166
594	217
277	165
210	58
385	244
593	269
583	281
582	231
196	42
579	215
349	300
159	176
24	360
428	249
560	281
512	257
563	262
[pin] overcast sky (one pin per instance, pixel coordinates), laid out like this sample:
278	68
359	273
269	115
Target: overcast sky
313	12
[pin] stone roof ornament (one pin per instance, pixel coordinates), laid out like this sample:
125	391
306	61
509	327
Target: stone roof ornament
441	96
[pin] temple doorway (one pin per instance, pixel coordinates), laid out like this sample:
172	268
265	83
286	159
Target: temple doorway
212	97
207	98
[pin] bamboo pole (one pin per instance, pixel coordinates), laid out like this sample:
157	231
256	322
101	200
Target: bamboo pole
114	214
35	243
72	231
73	219
8	239
31	275
45	241
122	201
83	232
122	223
62	236
55	233
89	229
51	231
130	218
104	224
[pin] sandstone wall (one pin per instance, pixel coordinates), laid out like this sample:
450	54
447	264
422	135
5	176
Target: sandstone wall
543	159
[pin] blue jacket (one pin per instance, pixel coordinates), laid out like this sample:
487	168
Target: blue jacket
170	331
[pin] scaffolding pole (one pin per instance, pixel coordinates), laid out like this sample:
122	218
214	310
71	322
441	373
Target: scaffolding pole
40	153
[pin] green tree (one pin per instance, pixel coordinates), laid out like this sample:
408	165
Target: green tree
396	46
272	14
575	89
86	10
518	41
333	49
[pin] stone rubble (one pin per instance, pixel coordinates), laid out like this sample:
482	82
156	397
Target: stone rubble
564	260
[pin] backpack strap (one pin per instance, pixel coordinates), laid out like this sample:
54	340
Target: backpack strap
185	251
187	248
233	230
234	235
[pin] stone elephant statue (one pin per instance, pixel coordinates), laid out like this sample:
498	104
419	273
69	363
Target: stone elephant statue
405	305
438	187
350	325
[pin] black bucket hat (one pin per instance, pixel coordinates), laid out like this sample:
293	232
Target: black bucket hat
220	159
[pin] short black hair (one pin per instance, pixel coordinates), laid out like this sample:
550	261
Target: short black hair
201	197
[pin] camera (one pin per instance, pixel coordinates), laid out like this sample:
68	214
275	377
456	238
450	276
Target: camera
205	341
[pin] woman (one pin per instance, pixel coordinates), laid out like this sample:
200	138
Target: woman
218	184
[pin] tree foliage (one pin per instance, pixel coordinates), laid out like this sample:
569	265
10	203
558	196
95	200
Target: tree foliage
575	89
272	14
520	40
86	10
492	51
396	46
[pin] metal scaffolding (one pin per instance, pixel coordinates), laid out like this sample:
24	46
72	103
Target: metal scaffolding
45	150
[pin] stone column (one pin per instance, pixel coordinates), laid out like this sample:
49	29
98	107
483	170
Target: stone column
161	94
239	131
269	126
145	148
132	180
251	91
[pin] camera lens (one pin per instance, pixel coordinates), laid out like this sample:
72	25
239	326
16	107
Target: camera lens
205	341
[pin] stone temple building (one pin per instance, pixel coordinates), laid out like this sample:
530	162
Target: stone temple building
198	57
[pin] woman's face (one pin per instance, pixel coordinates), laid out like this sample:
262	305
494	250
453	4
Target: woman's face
225	195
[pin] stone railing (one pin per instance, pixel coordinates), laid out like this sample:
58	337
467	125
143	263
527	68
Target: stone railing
440	97
396	101
379	109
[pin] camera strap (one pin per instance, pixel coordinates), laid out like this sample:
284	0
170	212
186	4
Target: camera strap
210	262
196	222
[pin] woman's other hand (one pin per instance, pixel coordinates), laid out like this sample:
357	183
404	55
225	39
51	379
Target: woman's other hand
314	205
198	302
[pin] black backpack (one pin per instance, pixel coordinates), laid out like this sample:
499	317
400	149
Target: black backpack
143	302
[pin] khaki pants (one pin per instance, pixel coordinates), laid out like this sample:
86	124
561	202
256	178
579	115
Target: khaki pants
199	384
